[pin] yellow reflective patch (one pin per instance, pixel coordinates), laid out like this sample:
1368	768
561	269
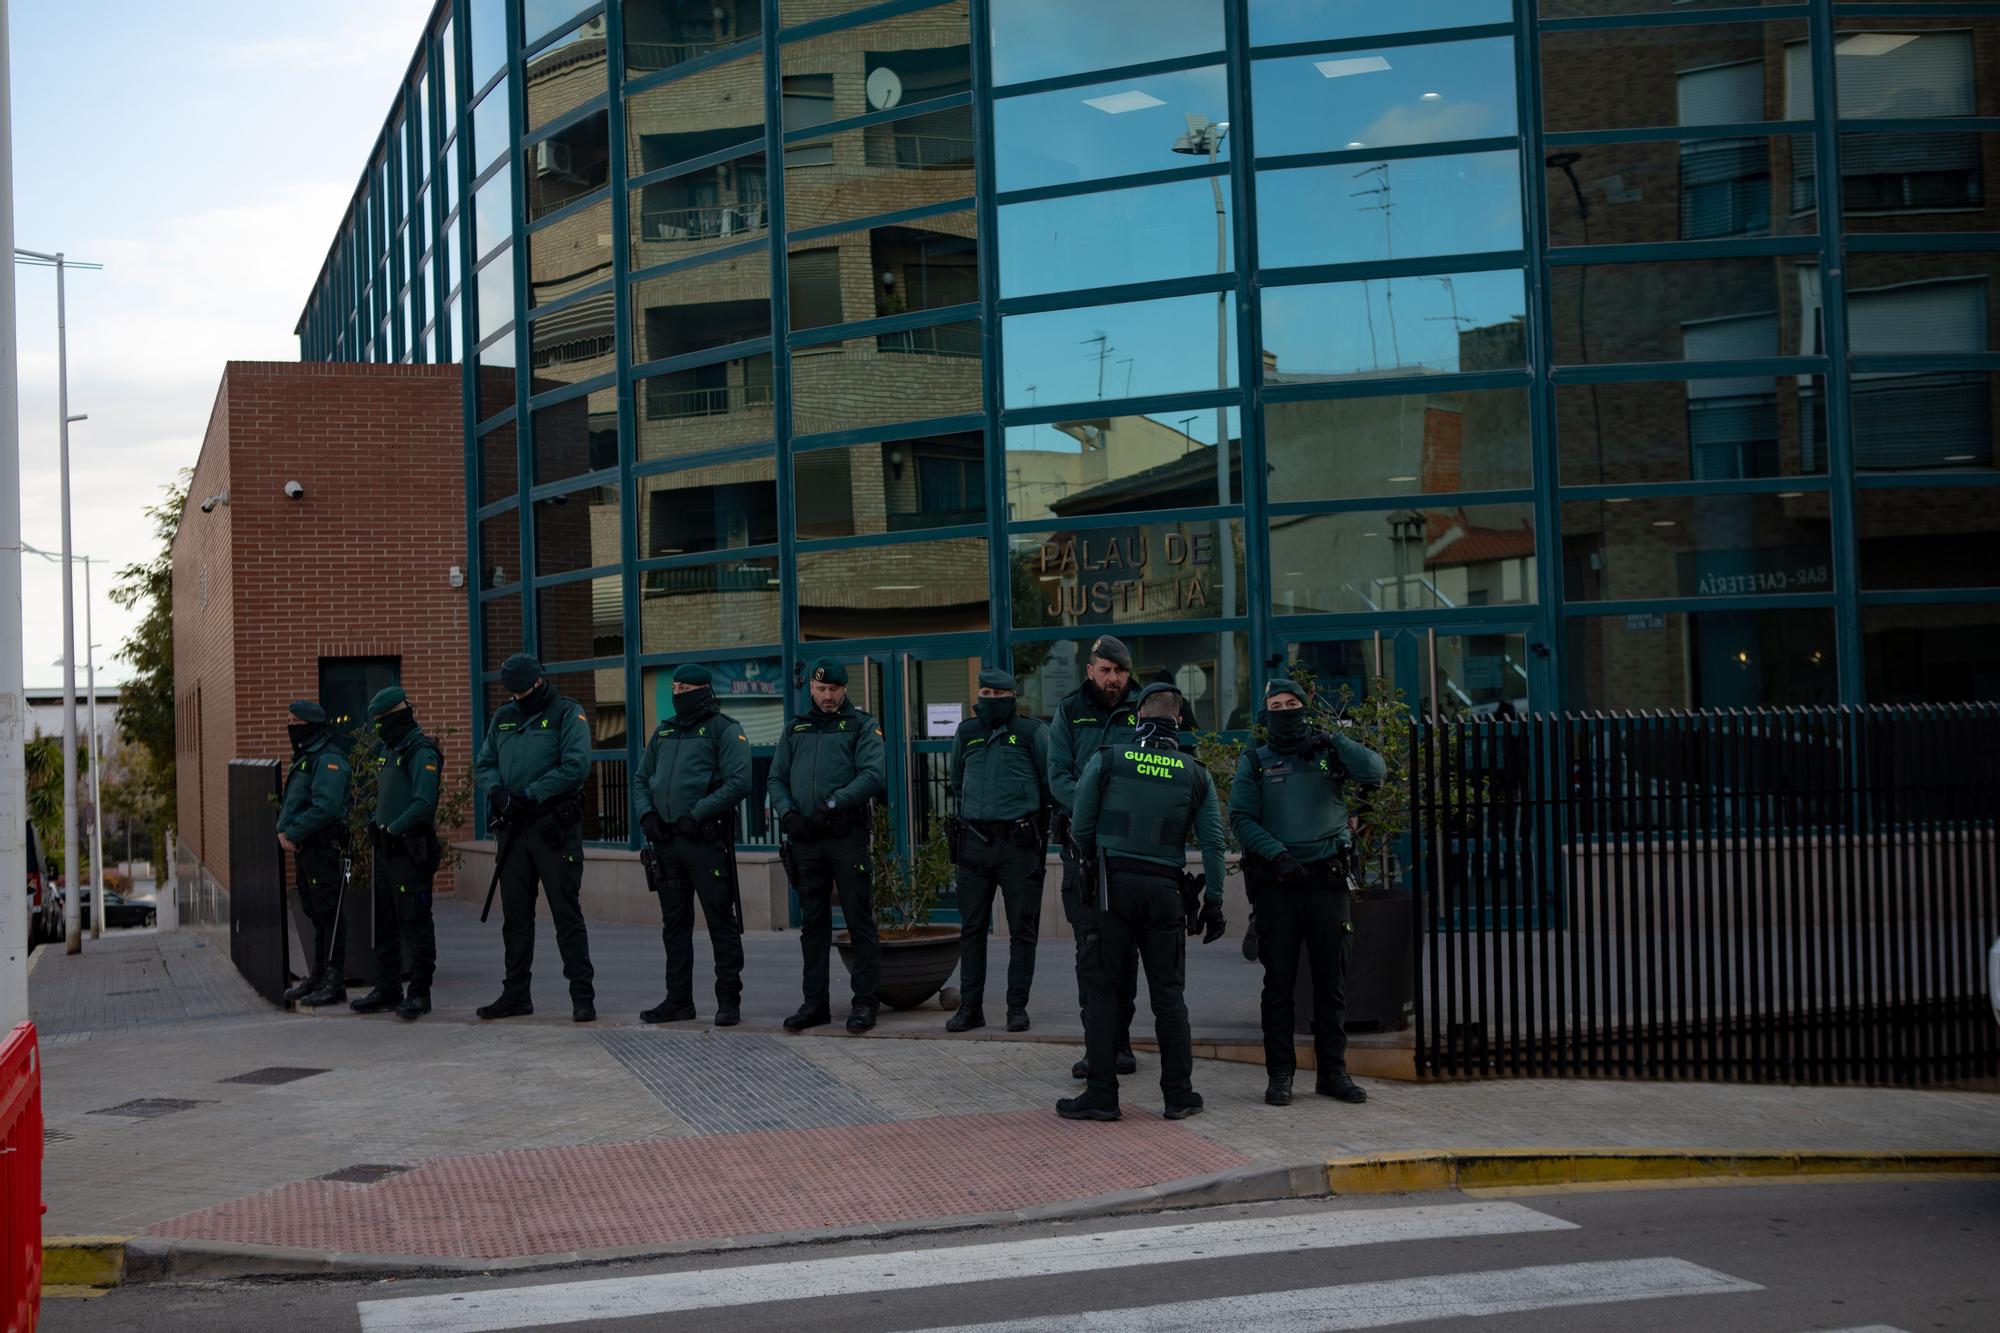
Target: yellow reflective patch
741	737
430	768
334	767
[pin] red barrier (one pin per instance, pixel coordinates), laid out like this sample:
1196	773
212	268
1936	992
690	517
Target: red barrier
20	1179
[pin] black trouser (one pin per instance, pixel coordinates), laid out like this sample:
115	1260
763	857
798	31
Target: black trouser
838	862
1146	920
319	893
1079	899
994	856
546	851
405	936
1318	917
693	868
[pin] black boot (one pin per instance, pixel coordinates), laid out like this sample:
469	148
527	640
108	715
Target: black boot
1336	1084
968	1017
1017	1020
583	1011
862	1016
1086	1107
507	1007
414	1006
809	1016
1081	1069
1250	940
1278	1092
727	1014
1128	1063
305	986
378	1000
1183	1107
332	990
666	1011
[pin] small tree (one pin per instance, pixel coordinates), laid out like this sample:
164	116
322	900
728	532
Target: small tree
907	893
453	808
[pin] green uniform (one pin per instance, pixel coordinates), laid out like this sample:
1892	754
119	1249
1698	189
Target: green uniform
693	774
999	787
408	774
541	756
1078	730
313	814
827	769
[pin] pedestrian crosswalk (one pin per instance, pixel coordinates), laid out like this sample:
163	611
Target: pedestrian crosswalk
1051	1258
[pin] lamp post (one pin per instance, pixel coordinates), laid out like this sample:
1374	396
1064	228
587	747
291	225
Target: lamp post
97	916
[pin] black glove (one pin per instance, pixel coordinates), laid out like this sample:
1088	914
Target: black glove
792	823
499	802
654	827
822	818
1288	868
688	826
1211	917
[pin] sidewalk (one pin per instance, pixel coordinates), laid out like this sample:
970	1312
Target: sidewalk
208	1123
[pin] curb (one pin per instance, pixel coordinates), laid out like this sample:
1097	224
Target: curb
84	1261
1513	1168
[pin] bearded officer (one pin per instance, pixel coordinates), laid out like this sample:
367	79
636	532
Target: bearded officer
1135	807
532	767
402	834
1287	804
694	773
1102	713
999	789
828	767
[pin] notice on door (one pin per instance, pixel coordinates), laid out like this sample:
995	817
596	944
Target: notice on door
942	720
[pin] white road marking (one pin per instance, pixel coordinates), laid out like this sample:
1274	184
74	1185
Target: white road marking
1045	1256
1409	1300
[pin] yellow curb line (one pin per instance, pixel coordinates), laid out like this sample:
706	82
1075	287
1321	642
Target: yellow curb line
1509	1168
83	1261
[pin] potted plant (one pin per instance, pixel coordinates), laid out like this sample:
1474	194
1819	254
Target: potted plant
917	957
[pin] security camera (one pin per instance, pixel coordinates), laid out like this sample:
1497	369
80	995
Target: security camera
294	491
208	505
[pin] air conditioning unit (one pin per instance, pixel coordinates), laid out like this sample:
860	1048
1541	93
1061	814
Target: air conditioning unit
552	158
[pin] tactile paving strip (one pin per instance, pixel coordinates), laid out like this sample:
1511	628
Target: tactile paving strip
551	1201
726	1085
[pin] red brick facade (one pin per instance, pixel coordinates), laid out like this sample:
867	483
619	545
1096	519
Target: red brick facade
266	586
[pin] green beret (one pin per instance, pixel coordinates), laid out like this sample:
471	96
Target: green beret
305	710
386	700
1112	651
689	673
993	678
519	673
826	671
1284	685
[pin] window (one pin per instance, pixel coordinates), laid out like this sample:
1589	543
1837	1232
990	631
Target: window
808	102
1732	423
1725	183
346	684
1893	76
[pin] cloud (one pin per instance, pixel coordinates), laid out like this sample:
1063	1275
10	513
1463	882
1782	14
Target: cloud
1432	123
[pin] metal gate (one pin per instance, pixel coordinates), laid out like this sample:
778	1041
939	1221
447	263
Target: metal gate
258	941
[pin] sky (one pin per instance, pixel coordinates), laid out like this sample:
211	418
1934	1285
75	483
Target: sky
202	151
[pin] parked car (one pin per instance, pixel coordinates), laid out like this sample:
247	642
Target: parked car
118	909
45	921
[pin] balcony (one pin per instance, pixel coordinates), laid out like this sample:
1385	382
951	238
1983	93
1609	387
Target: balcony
706	223
939	340
663	404
918	152
646	57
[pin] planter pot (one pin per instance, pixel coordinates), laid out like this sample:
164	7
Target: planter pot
1381	976
913	968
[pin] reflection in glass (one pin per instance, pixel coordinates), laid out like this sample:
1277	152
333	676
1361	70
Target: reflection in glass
896	62
1938	420
565	74
1686	74
660	34
570	254
576	530
750	689
493	212
700	408
581	620
692	608
1171	345
1695	546
500	545
1120	236
486	29
1111	464
927	264
1273	22
935	481
493	375
501	631
499	466
910	375
539	18
576	436
492	136
1189	570
601	691
1884	177
1394	326
567	165
1712	310
700	510
1932	302
908	163
1040	39
937	587
1927	538
704	113
447	62
713	305
1930	654
1695	430
496	292
1405	444
1886	70
1358	212
1691	190
1049	671
1418	558
705	209
1376	99
576	343
1704	659
1108	129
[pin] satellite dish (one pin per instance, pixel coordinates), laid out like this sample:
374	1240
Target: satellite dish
884	89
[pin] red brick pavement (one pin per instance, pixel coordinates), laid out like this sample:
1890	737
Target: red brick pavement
559	1200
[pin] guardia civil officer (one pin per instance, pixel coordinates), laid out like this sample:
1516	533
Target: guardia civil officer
1135	806
402	835
828	767
532	767
1102	712
999	791
694	773
1287	804
312	826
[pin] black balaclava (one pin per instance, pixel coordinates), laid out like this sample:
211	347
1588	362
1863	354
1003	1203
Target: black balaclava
994	710
393	727
695	703
535	700
304	734
1288	726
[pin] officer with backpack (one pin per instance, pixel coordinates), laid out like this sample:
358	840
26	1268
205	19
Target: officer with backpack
312	826
403	837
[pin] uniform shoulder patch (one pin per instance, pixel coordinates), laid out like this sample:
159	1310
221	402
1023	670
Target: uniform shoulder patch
741	737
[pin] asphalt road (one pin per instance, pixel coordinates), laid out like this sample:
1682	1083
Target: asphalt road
1898	1255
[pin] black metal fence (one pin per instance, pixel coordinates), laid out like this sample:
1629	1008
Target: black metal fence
1782	895
258	940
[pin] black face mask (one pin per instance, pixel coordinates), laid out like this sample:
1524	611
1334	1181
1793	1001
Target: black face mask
1159	731
1286	725
535	700
393	727
993	711
304	734
694	703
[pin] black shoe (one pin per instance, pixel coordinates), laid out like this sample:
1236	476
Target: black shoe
1083	1108
414	1006
727	1015
582	1011
667	1012
1128	1063
1340	1087
1181	1110
332	990
505	1007
809	1016
377	1000
305	986
967	1018
1081	1069
1278	1092
1250	940
862	1016
1017	1020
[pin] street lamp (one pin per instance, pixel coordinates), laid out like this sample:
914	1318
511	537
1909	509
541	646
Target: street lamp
97	911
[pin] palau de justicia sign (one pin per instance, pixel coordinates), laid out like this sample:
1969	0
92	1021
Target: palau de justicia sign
1114	574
